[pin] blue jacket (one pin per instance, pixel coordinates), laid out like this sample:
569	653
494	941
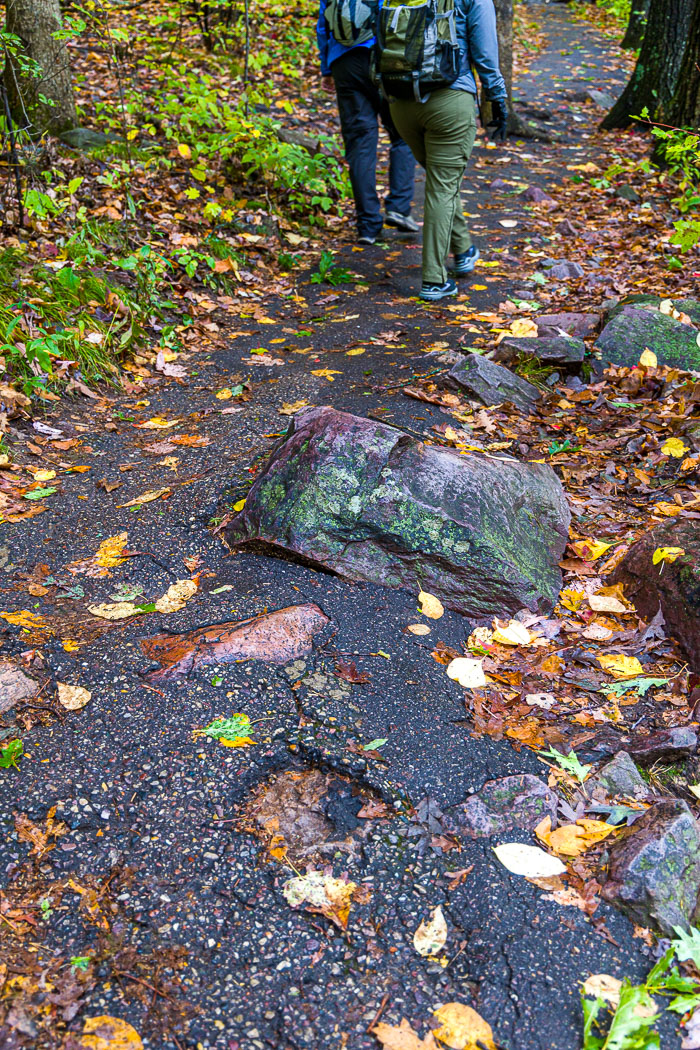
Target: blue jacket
328	47
475	23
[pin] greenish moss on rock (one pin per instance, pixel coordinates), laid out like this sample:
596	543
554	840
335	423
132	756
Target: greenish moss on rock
361	498
513	802
634	328
654	869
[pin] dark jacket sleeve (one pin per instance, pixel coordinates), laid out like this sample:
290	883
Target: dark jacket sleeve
483	47
323	39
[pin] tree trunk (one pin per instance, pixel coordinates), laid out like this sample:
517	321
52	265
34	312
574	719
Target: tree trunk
654	80
504	28
683	111
31	96
634	35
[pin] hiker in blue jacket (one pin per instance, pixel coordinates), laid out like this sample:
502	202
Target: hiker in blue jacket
361	106
433	101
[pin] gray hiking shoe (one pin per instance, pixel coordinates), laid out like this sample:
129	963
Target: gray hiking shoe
401	222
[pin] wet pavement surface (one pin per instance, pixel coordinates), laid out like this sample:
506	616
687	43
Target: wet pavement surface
159	821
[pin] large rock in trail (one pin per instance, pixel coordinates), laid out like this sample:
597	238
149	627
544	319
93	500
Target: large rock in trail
635	328
372	503
672	586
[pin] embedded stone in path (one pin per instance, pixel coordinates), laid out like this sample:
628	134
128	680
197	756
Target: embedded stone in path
578	325
520	801
654	869
672	586
484	533
550	350
635	329
491	384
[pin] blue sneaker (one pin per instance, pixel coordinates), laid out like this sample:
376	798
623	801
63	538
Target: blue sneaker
432	292
466	261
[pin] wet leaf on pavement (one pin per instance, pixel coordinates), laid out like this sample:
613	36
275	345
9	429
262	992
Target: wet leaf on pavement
529	861
431	935
324	895
72	697
462	1028
109	1033
402	1037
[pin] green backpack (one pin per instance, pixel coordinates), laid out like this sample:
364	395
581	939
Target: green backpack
351	22
416	50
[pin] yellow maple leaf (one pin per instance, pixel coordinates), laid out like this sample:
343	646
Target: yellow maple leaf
589	550
674	447
571	599
621	666
668	554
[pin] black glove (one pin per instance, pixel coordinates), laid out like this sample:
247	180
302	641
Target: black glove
498	125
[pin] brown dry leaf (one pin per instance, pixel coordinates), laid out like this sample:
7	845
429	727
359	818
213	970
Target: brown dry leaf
431	936
90	904
461	1028
570	840
402	1037
28	831
603	986
147	497
72	697
418	628
176	596
109	1033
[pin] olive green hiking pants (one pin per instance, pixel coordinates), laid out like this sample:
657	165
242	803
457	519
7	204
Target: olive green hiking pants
441	134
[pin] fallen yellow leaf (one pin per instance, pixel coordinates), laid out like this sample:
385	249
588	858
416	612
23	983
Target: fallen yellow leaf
461	1028
674	447
146	497
26	619
648	359
431	935
184	150
224	394
355	352
668	554
570	840
110	552
418	628
621	666
510	633
326	373
571	599
71	646
114	610
430	606
44	475
157	423
590	550
290	408
176	596
109	1033
239	505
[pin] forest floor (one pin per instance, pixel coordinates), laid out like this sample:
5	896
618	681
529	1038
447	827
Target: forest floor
161	900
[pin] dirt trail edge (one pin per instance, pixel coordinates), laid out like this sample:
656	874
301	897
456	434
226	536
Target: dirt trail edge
161	900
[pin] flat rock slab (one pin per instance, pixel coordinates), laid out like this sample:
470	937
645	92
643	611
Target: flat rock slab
654	870
550	350
513	802
492	384
372	503
15	685
276	637
579	325
634	329
672	586
620	777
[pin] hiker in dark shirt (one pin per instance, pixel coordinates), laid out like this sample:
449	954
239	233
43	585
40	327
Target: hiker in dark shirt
361	106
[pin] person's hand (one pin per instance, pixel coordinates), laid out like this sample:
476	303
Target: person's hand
498	125
327	84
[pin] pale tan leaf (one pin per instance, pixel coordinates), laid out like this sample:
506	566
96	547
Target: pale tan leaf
431	935
72	697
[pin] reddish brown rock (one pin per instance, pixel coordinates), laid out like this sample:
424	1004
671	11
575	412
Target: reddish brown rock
675	587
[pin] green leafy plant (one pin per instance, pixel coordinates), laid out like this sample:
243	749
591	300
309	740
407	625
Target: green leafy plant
9	753
80	962
569	763
329	272
235	729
